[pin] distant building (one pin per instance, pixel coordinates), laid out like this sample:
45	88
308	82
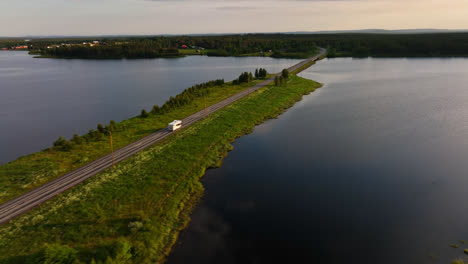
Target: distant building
95	42
4	48
184	46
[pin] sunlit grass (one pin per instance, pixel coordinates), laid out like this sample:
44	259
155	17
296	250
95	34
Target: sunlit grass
29	172
133	213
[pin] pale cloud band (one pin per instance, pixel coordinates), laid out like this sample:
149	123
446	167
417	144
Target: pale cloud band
148	17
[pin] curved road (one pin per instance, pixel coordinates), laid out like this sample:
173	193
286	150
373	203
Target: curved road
26	202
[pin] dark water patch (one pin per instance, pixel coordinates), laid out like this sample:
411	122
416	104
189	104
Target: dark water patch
42	99
369	169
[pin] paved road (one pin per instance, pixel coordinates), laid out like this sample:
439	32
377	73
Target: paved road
26	202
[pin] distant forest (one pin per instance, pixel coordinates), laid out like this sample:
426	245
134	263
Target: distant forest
280	45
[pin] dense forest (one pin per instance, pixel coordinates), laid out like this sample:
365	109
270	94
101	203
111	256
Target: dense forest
280	45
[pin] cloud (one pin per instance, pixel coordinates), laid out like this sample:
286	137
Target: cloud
235	8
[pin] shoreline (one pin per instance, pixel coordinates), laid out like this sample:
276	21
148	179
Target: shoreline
173	214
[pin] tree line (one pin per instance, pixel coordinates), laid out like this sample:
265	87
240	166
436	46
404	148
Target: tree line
132	50
186	97
281	45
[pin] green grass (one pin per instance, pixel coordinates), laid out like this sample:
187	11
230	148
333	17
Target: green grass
133	213
29	172
256	54
294	55
193	52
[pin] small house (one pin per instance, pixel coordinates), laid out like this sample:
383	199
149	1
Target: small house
184	46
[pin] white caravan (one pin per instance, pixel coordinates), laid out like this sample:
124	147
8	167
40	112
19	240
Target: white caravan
174	125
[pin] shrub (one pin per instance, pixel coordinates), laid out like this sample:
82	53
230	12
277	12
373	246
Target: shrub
121	251
282	81
144	114
135	226
155	109
62	144
55	254
77	139
285	73
100	128
112	125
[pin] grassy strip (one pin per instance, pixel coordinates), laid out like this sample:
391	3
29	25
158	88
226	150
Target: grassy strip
29	172
133	214
294	55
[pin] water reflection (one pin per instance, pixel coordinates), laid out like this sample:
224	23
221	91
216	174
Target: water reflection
369	169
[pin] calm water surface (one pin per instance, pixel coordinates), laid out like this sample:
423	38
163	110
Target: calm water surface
372	168
42	99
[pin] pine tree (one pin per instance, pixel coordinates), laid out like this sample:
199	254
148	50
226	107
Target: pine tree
281	80
285	73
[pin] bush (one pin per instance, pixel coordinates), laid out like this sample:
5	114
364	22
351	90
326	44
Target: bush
77	139
62	144
144	114
55	254
155	109
100	128
285	73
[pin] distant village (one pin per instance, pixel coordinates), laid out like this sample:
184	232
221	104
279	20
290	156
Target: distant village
22	47
88	44
192	47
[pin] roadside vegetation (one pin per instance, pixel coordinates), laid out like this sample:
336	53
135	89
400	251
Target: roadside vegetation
133	213
28	172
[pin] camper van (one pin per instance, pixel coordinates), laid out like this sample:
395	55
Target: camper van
174	125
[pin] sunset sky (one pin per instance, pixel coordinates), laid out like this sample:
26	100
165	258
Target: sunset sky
107	17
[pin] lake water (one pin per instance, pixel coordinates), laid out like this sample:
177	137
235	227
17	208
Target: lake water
42	99
371	168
